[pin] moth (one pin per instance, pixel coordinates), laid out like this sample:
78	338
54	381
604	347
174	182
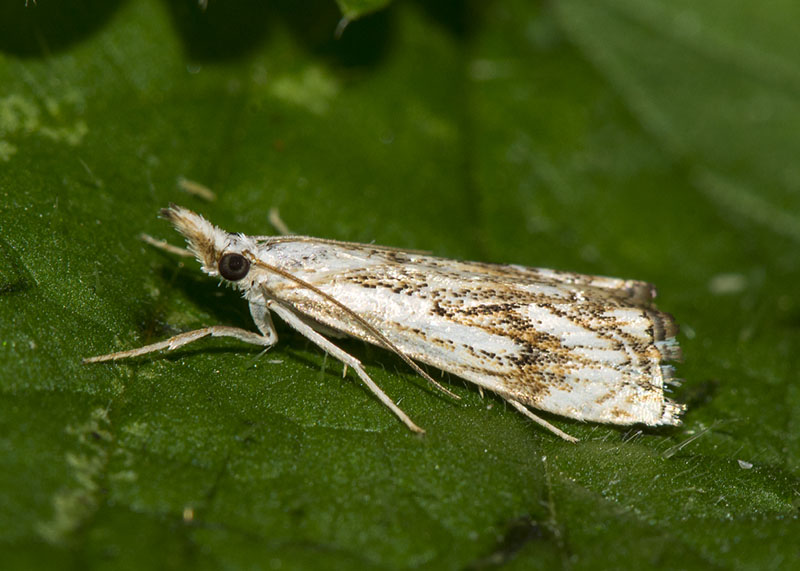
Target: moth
589	348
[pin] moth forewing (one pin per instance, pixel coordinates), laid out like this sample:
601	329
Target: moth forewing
580	351
585	347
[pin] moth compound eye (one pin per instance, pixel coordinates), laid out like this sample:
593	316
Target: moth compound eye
233	267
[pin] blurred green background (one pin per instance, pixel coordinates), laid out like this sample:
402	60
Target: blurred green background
638	138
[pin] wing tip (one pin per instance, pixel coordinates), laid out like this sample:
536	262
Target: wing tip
670	349
664	326
671	413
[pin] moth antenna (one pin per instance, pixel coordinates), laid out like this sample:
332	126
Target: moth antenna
313	240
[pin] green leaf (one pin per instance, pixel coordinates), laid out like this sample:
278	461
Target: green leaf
645	139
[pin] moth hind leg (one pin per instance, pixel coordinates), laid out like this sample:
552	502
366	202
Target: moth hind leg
349	361
264	340
540	421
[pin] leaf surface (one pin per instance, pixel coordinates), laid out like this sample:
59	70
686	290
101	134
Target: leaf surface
645	140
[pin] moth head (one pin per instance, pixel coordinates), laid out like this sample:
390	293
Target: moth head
220	253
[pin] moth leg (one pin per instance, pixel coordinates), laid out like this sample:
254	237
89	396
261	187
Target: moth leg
307	331
264	339
165	246
526	411
263	320
197	189
277	222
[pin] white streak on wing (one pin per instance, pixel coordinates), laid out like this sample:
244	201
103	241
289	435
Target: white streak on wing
596	375
570	333
605	356
630	321
593	401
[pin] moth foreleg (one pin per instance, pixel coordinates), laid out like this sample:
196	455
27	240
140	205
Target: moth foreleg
526	411
266	339
263	320
309	333
165	246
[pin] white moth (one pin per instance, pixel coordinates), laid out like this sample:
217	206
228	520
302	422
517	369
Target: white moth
585	347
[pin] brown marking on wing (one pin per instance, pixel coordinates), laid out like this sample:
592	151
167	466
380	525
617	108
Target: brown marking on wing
493	299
